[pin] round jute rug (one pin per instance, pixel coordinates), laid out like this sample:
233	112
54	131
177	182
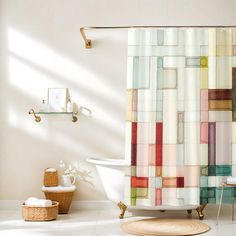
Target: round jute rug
159	227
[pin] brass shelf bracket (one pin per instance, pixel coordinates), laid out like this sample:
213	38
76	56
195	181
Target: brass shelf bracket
74	117
37	118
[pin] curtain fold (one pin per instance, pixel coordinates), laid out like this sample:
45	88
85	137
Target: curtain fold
180	115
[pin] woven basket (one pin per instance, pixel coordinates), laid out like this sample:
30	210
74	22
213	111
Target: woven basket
50	179
64	199
34	213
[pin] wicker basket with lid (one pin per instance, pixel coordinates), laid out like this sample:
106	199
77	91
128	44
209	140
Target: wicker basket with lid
50	177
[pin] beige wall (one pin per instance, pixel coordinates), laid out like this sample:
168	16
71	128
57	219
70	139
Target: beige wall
41	47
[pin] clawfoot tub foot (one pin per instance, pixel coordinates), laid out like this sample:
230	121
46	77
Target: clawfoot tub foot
200	211
189	212
123	208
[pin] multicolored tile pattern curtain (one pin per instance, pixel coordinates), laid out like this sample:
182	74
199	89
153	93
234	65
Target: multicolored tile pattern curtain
181	115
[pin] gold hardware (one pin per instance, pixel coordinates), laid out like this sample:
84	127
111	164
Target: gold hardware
74	117
123	208
200	211
36	117
189	212
88	43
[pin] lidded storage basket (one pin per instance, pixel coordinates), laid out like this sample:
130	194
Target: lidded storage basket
39	213
64	199
61	194
50	177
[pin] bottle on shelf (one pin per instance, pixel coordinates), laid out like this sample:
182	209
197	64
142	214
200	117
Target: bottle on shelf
69	106
44	106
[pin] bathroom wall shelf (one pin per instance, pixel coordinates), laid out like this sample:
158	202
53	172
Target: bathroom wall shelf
37	114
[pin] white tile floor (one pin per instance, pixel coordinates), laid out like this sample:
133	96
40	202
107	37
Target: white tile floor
101	223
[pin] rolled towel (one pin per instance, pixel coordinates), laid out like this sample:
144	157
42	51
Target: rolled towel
32	201
44	203
231	180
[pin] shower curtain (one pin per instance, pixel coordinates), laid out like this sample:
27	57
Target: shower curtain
180	116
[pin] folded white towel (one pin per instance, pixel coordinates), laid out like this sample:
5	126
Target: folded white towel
59	188
32	201
231	180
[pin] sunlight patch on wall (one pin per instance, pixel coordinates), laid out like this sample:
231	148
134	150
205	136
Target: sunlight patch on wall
29	80
34	67
99	114
44	57
35	84
65	141
41	131
27	125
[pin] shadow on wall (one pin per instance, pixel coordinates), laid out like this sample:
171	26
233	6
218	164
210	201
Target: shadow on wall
32	68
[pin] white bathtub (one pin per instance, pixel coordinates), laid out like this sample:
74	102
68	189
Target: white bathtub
111	172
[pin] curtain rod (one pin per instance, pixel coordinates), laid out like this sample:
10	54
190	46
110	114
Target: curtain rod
88	43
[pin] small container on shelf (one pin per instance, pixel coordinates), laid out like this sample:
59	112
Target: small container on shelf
44	107
69	106
50	177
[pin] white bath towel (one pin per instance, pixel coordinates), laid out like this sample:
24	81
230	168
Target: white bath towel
59	188
32	201
231	180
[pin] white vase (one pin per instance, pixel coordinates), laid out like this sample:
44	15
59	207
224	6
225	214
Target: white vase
67	180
